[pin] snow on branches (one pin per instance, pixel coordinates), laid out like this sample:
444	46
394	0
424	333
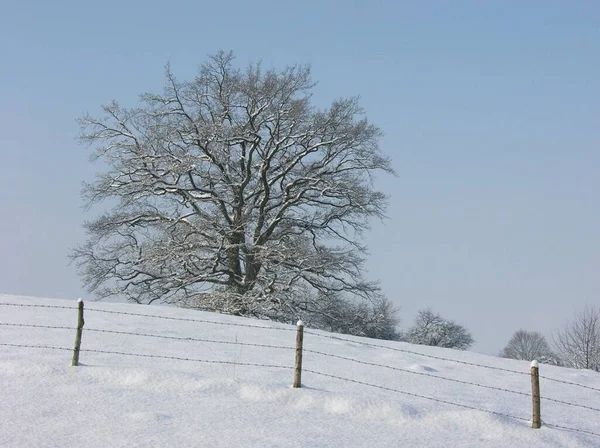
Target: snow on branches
233	193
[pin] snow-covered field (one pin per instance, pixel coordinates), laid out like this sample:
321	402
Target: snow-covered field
113	400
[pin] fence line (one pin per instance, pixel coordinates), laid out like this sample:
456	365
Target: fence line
441	358
400	369
297	348
363	383
248	344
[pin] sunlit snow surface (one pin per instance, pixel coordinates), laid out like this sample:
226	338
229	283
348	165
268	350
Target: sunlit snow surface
124	401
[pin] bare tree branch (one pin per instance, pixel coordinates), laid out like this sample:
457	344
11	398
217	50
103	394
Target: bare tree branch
578	344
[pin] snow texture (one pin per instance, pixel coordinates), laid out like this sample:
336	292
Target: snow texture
114	401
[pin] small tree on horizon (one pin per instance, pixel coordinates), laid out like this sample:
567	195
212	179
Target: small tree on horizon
432	329
529	346
578	344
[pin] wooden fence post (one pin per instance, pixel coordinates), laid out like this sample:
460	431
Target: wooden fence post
535	394
80	322
298	364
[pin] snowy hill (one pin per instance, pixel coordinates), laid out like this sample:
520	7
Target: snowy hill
184	391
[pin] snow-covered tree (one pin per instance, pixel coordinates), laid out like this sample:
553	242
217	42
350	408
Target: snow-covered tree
432	329
231	192
529	345
378	319
578	344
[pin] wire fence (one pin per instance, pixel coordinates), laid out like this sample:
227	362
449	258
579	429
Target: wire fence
439	377
181	319
441	358
158	336
297	348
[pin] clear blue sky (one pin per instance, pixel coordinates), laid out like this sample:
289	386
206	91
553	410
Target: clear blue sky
491	112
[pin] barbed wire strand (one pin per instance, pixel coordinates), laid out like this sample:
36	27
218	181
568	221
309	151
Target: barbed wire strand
49	347
569	383
145	355
27	305
8	324
182	319
583	431
554	400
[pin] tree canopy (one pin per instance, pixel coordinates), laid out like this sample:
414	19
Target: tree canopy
231	192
